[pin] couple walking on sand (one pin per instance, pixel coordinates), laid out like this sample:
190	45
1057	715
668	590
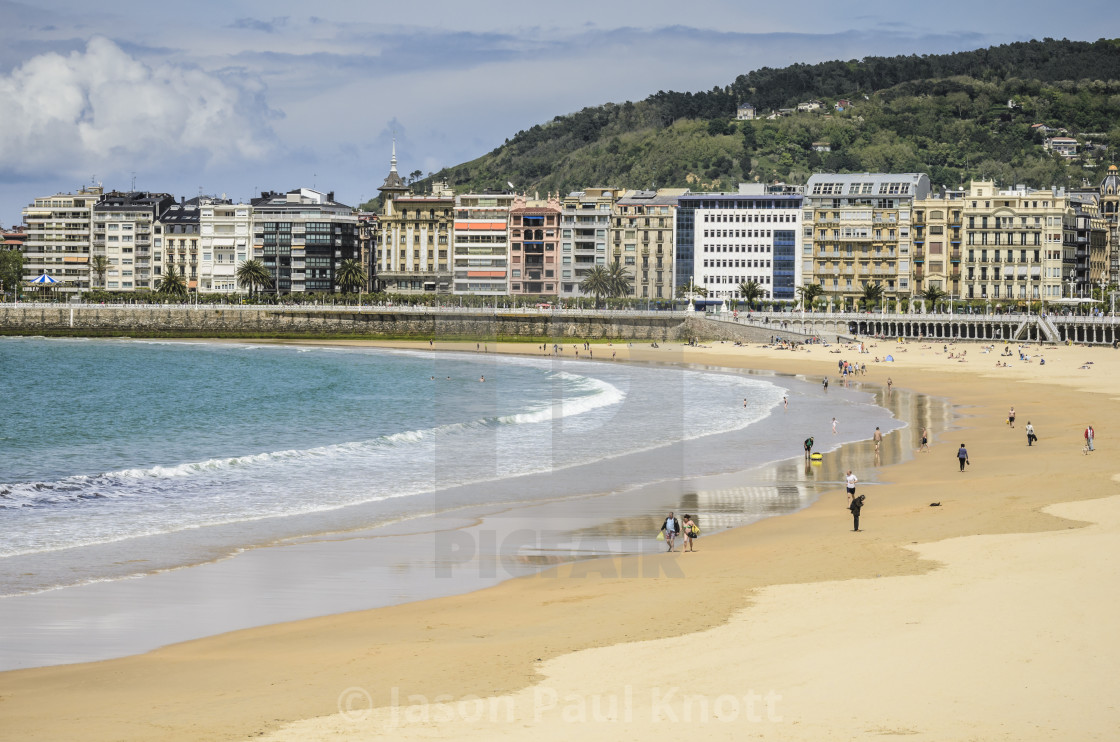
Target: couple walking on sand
686	528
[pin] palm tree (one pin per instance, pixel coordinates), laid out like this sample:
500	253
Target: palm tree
750	290
99	264
808	293
252	274
872	294
597	282
621	282
173	283
690	289
933	294
350	275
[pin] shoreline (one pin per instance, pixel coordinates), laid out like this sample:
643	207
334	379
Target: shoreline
609	523
492	642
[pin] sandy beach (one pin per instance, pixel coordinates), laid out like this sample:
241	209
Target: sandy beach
989	616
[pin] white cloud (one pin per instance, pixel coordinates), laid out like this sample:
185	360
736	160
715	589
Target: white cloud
101	108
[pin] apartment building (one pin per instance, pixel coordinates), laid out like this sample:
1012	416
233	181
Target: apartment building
585	220
1109	205
1014	250
642	237
534	229
736	238
302	237
224	230
175	243
122	232
481	244
857	232
414	237
1085	239
936	232
58	238
369	232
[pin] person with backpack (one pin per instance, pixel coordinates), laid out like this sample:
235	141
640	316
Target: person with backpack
670	528
855	506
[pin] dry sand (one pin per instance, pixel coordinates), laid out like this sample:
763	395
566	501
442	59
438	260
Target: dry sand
989	617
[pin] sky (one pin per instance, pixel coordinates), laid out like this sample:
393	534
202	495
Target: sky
243	96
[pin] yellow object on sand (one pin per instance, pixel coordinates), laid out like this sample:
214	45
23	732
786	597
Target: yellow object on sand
661	535
816	457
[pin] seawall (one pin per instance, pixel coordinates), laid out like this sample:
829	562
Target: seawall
94	320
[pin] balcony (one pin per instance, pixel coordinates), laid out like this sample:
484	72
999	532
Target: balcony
955	256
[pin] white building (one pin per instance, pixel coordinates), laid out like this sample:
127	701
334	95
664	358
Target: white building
224	229
736	238
481	244
58	238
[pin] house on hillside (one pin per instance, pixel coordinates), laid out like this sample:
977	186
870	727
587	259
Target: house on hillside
810	105
746	112
822	147
843	104
1043	129
1064	146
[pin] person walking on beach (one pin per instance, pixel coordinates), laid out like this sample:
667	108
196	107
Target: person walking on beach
690	531
962	456
889	385
925	441
1011	417
671	527
855	506
834	426
1089	435
878	438
1031	437
850	480
809	447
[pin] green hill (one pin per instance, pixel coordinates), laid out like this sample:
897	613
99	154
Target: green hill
946	115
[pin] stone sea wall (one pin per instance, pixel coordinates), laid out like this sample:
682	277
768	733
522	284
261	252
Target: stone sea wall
250	322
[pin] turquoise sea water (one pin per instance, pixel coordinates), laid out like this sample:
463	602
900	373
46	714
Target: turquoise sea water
156	454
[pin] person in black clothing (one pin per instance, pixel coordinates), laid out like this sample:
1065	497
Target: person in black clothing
856	504
670	527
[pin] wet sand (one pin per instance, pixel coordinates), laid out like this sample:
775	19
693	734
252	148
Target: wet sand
938	629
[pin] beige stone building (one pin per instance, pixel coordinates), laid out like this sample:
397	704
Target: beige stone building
123	225
1013	247
414	237
857	230
641	239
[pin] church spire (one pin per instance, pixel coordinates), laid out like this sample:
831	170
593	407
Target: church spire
393	162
